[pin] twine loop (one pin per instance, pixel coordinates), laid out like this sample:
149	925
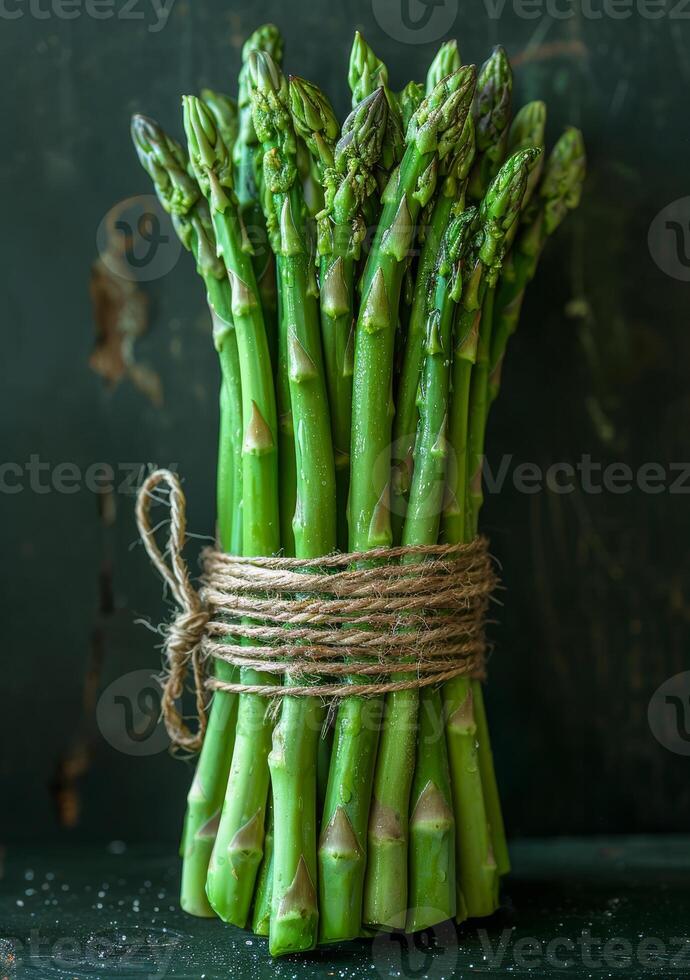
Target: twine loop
183	637
364	624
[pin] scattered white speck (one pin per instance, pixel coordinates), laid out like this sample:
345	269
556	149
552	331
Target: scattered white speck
20	904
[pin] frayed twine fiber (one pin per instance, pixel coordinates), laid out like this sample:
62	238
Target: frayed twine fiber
362	624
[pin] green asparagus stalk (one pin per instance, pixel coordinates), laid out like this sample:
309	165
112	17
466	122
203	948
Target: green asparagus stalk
250	192
409	337
348	182
453	181
385	889
239	842
408	101
491	111
166	163
248	181
478	409
263	895
446	61
433	131
294	913
558	193
224	110
433	894
476	828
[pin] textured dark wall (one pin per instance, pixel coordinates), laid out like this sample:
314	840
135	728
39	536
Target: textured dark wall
596	610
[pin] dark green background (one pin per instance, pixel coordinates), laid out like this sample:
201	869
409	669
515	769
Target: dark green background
596	611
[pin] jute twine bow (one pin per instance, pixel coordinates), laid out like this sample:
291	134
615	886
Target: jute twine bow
364	623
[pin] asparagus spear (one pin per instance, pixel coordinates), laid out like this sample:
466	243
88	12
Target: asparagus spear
433	131
432	822
294	913
246	149
491	111
478	878
453	181
250	191
446	61
239	843
527	132
559	192
385	890
165	162
348	182
317	129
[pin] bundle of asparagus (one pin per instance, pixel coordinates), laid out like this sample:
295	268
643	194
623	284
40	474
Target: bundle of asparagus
357	373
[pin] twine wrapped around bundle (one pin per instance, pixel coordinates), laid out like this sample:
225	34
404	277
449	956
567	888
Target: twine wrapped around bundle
341	625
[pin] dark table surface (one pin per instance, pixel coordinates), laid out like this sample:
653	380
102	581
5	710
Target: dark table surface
595	907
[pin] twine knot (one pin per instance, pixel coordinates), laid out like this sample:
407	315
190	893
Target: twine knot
183	637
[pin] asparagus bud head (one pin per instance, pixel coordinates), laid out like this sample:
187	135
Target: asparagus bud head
361	139
528	129
225	114
366	72
270	97
440	119
564	174
455	243
265	38
528	126
165	161
446	61
314	119
209	156
409	100
351	181
491	108
458	164
502	202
